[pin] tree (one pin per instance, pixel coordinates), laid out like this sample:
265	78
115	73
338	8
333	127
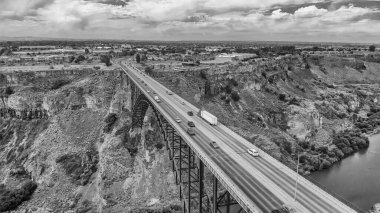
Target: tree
138	58
235	96
148	70
143	57
79	59
372	48
106	60
9	91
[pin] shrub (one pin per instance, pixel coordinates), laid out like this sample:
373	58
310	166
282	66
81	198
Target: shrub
349	141
287	147
235	96
10	199
8	91
159	145
109	120
282	97
202	74
323	149
228	89
59	83
372	48
148	70
106	60
324	165
79	168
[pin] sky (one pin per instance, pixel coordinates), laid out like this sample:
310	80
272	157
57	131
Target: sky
243	20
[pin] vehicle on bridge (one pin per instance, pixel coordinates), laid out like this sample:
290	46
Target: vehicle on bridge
178	120
214	145
190	131
157	99
191	124
253	152
286	208
210	118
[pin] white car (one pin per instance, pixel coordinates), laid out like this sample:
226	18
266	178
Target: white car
178	120
253	152
148	91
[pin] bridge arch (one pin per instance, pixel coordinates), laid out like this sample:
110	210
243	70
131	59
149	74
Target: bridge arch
139	109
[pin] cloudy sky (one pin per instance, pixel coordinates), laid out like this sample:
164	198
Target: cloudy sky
284	20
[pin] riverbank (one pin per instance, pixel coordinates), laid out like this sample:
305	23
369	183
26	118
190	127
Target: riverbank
356	177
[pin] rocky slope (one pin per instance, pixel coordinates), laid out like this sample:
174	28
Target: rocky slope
78	164
281	102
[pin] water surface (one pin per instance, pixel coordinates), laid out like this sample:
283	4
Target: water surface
356	178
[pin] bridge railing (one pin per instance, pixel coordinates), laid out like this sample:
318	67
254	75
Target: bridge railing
339	197
324	188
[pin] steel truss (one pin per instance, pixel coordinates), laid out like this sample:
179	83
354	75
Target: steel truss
188	168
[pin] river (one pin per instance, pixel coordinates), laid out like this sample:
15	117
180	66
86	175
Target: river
357	177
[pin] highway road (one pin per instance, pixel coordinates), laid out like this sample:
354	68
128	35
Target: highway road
261	181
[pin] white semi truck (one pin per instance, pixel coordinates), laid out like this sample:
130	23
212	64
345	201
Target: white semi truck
210	118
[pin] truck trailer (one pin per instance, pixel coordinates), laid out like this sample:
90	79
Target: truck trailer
210	118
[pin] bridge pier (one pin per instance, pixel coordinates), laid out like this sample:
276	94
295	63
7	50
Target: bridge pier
224	200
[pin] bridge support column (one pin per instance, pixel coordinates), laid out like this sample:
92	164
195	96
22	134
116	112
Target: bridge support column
189	181
214	195
200	176
180	168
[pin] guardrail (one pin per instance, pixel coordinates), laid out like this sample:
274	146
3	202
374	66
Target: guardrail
339	197
315	182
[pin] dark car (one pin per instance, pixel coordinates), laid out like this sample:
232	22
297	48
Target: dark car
191	124
190	131
214	145
190	113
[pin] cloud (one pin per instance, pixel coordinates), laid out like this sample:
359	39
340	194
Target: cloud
21	9
309	12
170	19
111	2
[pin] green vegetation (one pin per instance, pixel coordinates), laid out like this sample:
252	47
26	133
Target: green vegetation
109	120
202	74
350	141
59	83
138	58
168	209
106	60
369	124
372	48
10	199
235	96
79	167
79	59
148	70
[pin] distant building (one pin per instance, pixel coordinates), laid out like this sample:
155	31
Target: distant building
35	48
126	46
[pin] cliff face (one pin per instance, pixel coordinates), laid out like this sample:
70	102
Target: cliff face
279	102
76	165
